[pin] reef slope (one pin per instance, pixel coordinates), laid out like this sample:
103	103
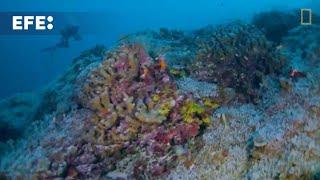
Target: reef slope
216	102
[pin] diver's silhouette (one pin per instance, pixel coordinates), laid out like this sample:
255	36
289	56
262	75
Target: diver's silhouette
68	33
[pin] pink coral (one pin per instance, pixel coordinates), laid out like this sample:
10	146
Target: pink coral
137	107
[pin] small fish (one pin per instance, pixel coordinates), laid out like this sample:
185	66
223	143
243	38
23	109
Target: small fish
294	73
162	63
279	47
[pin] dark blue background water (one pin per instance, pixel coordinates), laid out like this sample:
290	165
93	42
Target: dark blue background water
24	68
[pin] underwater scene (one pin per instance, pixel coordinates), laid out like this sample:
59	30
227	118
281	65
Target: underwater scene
152	89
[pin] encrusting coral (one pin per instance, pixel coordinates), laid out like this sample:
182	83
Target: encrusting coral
137	105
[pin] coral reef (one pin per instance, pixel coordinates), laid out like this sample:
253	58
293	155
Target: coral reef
137	107
307	49
180	106
276	139
237	56
178	52
15	114
18	111
199	89
128	107
20	114
277	24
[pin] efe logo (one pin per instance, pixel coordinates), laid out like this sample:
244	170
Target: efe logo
38	22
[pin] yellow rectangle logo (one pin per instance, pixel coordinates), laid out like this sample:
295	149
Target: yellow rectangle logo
306	16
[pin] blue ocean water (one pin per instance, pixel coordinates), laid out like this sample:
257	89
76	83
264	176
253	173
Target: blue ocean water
24	68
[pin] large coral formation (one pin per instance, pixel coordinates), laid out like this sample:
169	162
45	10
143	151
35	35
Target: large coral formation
136	105
129	107
235	55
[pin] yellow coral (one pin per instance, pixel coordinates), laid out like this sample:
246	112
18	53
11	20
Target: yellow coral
177	72
189	111
155	97
96	104
211	103
206	120
164	110
190	119
191	107
194	112
166	107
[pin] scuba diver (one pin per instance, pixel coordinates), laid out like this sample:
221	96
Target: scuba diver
68	33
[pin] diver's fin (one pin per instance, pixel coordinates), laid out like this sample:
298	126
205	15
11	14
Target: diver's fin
77	37
64	43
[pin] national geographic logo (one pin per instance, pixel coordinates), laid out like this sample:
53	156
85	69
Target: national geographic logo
306	16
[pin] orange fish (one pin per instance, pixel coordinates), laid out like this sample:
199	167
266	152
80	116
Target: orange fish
162	63
104	112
